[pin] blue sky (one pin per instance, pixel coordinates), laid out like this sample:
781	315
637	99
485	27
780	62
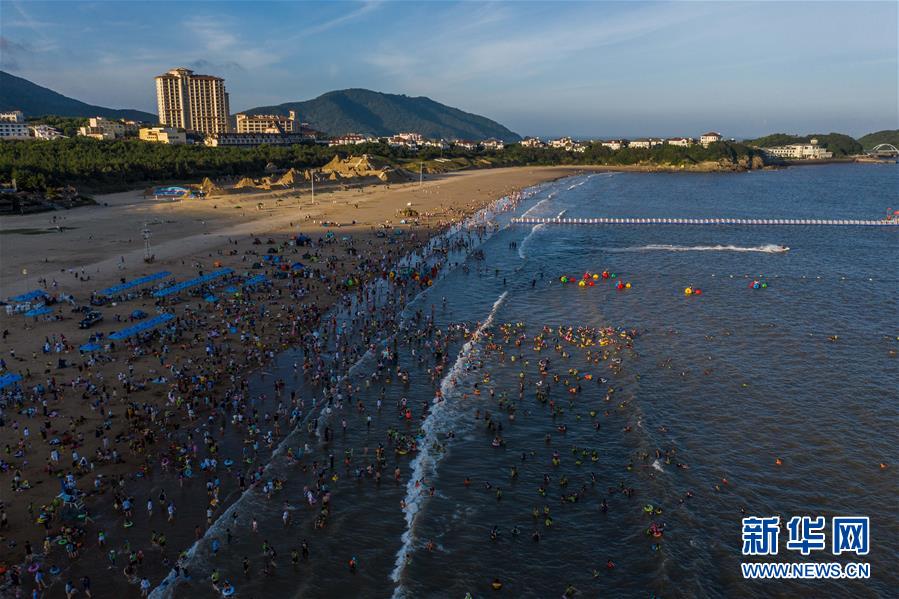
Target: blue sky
601	69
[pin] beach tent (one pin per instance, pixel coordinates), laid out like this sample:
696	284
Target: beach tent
89	347
116	289
257	280
27	297
144	326
9	379
193	282
39	311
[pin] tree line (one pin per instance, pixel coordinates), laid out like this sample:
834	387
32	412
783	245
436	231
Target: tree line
104	165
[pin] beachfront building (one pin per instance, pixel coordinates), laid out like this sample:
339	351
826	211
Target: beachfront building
99	127
251	140
12	125
566	143
684	142
614	144
532	142
464	144
192	102
352	139
562	142
493	144
435	143
406	140
45	132
709	138
803	151
644	143
268	123
416	138
163	135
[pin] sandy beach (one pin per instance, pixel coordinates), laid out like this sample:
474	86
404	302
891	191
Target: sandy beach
96	247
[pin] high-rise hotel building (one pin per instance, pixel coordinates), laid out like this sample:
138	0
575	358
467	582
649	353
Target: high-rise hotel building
193	102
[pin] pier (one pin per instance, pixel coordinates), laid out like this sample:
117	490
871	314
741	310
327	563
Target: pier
704	221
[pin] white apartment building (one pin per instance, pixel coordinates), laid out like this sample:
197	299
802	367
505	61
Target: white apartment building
45	132
12	125
684	142
562	142
415	138
435	143
493	144
465	144
351	139
614	144
709	138
804	151
193	102
644	143
532	142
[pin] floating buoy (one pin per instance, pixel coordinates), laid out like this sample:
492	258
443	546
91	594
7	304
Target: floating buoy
627	285
688	291
697	292
581	284
595	276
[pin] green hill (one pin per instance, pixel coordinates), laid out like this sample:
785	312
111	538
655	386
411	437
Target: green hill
887	136
838	143
376	113
32	99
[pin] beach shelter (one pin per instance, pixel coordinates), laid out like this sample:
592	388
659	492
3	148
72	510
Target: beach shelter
9	379
27	297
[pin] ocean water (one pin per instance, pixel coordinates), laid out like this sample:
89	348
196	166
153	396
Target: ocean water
726	382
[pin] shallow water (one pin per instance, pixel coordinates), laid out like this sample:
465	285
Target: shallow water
731	379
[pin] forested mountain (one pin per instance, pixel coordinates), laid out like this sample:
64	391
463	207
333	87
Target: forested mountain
32	99
376	113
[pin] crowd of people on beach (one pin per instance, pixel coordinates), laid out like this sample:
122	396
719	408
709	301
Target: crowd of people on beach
173	405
